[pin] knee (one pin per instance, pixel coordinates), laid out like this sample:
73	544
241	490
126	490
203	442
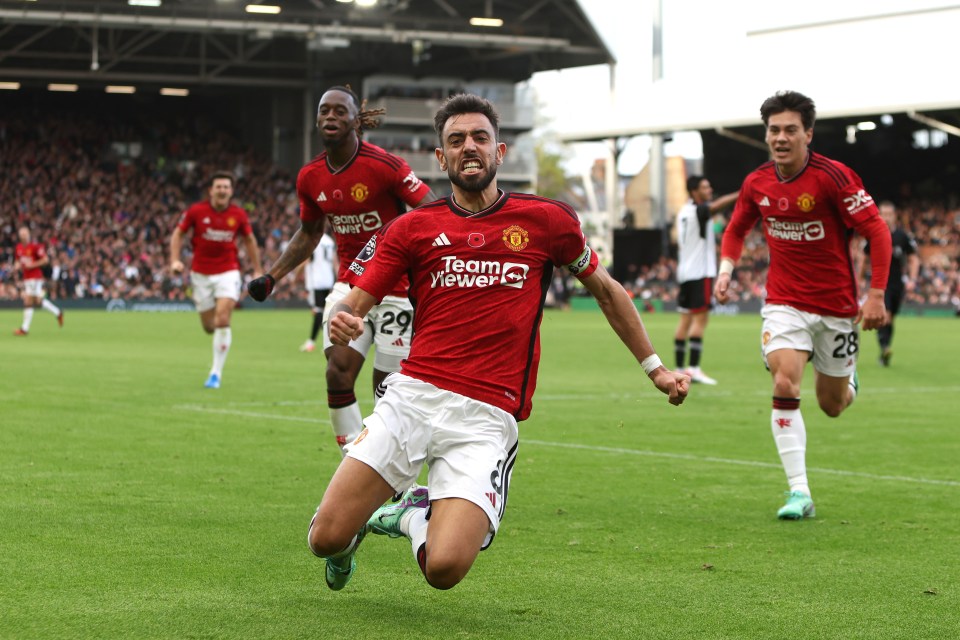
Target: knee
325	540
445	573
831	406
784	387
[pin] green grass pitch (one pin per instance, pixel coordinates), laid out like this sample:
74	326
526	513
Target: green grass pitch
136	504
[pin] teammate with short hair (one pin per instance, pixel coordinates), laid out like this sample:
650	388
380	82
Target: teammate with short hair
31	257
215	269
319	274
480	263
358	187
898	282
696	269
808	204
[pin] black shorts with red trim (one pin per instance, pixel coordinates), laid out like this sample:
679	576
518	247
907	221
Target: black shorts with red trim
695	296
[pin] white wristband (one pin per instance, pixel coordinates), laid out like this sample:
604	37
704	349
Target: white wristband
650	363
726	266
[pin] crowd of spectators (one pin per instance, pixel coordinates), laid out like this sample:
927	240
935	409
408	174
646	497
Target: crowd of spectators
104	192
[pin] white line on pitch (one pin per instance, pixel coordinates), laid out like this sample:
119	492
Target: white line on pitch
586	447
745	463
249	414
699	391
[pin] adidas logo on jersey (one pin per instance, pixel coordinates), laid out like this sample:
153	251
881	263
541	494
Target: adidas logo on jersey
322	197
398	342
765	202
441	241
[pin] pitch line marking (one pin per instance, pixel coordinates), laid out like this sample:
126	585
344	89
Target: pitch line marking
744	463
621	450
699	392
248	414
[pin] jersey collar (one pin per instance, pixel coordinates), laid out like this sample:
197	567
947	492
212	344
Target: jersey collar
346	164
806	163
466	213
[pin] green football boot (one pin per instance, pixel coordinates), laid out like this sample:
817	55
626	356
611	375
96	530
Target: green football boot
340	569
799	505
385	521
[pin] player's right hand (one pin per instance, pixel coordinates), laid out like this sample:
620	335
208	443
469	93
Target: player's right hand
176	267
260	288
345	327
721	290
674	384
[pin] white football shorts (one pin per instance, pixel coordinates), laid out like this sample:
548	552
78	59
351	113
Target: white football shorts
389	326
33	287
468	446
834	342
208	288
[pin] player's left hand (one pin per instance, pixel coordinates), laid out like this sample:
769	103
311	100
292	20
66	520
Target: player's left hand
673	383
873	313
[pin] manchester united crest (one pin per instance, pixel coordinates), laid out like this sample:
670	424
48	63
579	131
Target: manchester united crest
806	202
231	222
516	237
359	192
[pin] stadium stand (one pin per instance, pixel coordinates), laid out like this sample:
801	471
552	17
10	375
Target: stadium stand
103	187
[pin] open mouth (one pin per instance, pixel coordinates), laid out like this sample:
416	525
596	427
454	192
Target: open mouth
472	166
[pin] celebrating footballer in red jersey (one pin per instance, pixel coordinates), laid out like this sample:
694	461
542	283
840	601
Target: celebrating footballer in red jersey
358	197
498	259
215	269
807	204
806	220
215	234
480	264
358	187
31	257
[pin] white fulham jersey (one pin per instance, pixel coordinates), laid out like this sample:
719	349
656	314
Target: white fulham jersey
696	243
320	273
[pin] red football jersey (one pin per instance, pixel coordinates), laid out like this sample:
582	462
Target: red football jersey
33	251
807	220
477	283
360	197
214	238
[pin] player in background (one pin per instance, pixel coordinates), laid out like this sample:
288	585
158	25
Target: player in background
31	257
480	263
696	270
807	205
358	187
898	283
215	270
319	274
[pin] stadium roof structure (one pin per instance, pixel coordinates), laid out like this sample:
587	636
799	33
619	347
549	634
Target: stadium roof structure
197	43
855	59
